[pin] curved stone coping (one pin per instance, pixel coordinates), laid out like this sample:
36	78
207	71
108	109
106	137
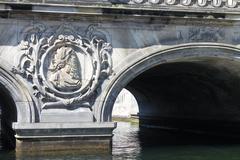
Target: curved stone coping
132	7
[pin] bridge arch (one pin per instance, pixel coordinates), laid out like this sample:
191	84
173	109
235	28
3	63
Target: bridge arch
15	105
12	88
152	57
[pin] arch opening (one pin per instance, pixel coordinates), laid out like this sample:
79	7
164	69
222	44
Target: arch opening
199	95
8	115
195	89
187	102
125	105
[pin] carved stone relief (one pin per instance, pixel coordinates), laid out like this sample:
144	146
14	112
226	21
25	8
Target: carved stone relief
64	67
198	3
206	34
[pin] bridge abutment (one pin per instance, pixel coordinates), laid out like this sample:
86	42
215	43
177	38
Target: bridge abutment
67	64
37	138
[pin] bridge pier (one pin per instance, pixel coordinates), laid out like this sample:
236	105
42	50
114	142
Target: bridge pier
86	138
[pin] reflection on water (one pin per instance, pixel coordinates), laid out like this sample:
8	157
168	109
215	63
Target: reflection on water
126	141
131	143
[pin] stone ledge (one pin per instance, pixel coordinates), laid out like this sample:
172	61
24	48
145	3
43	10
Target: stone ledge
109	8
83	137
63	130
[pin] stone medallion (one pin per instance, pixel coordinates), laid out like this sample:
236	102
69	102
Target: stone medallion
64	67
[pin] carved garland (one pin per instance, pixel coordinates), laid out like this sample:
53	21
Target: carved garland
64	68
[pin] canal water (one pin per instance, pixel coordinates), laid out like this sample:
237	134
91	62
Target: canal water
131	142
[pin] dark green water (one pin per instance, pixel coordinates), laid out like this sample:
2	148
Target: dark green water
131	143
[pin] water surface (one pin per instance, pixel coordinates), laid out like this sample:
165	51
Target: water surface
130	142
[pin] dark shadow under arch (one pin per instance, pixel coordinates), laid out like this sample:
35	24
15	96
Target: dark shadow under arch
16	104
212	70
17	90
8	116
192	95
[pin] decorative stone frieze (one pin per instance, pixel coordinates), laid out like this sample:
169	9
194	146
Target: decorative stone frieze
199	3
63	67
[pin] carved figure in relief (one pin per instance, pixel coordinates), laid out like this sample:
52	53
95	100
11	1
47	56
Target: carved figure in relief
64	70
53	64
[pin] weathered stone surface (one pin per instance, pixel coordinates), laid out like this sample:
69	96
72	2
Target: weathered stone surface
65	65
77	115
222	6
65	145
54	130
85	137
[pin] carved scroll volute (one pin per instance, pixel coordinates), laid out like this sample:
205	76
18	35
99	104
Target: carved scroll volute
231	3
202	3
154	1
216	3
65	68
170	2
186	2
191	4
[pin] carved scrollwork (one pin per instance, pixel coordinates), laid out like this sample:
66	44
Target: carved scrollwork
217	3
186	2
154	1
179	3
202	3
64	67
170	2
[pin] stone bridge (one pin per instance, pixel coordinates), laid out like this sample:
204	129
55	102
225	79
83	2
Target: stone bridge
62	65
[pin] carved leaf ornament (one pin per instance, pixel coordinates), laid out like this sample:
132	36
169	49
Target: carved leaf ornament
64	67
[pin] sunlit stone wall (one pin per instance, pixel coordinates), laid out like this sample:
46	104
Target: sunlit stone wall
125	105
